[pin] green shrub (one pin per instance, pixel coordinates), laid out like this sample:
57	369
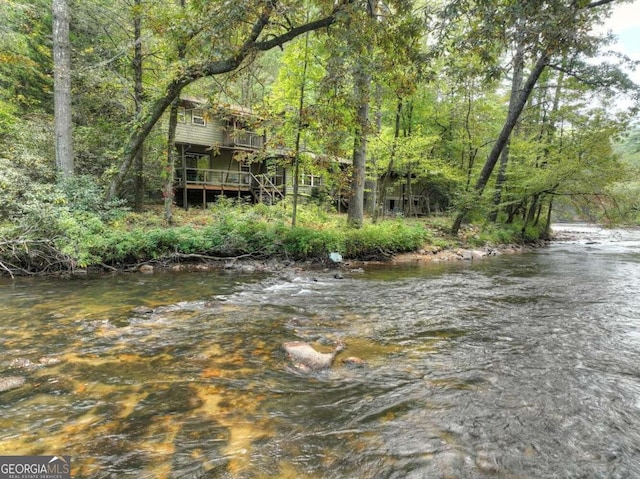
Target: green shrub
301	242
385	238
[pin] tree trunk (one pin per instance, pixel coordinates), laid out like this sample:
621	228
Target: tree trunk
530	213
372	185
139	97
62	89
169	173
516	88
296	169
472	152
510	122
355	212
387	176
168	192
547	227
410	210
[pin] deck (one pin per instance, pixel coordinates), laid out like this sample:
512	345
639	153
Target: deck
263	188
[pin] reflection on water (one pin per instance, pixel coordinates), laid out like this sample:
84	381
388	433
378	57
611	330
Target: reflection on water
522	366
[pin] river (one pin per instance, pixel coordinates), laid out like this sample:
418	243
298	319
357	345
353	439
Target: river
514	366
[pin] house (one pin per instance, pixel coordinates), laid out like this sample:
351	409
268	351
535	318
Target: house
221	152
216	149
413	196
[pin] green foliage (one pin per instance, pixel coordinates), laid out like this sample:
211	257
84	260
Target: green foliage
229	229
71	214
140	244
233	230
28	147
493	234
380	239
371	241
626	191
302	242
26	81
453	108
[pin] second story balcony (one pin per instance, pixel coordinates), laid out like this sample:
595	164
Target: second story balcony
243	139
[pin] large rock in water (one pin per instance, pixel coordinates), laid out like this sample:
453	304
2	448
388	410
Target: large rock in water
306	358
11	382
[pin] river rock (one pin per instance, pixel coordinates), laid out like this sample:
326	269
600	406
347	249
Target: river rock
49	361
353	362
22	363
335	257
473	254
306	358
142	310
11	382
487	461
146	268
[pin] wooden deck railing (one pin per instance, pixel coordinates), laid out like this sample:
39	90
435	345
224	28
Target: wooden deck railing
206	177
245	139
226	178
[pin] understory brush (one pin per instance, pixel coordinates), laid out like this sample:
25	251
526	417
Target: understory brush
62	233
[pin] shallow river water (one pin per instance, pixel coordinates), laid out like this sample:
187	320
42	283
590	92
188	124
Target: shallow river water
515	366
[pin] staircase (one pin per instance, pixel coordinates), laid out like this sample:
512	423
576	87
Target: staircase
264	190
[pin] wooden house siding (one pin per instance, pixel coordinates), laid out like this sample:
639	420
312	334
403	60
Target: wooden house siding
211	134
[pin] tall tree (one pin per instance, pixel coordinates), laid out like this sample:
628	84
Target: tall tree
553	28
516	87
355	212
137	67
381	24
299	127
172	153
62	88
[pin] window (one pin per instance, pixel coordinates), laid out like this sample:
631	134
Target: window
306	179
197	117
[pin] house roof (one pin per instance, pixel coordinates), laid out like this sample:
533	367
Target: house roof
221	109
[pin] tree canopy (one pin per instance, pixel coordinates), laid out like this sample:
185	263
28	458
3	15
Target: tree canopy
492	111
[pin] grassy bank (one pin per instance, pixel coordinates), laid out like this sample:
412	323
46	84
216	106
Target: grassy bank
66	238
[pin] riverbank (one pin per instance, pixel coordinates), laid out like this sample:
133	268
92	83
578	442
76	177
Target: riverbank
427	254
242	237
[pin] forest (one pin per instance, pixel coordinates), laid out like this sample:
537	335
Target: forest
508	114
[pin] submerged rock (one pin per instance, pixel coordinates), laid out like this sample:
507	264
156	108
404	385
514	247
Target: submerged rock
487	462
49	361
24	363
11	382
306	358
353	362
142	310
